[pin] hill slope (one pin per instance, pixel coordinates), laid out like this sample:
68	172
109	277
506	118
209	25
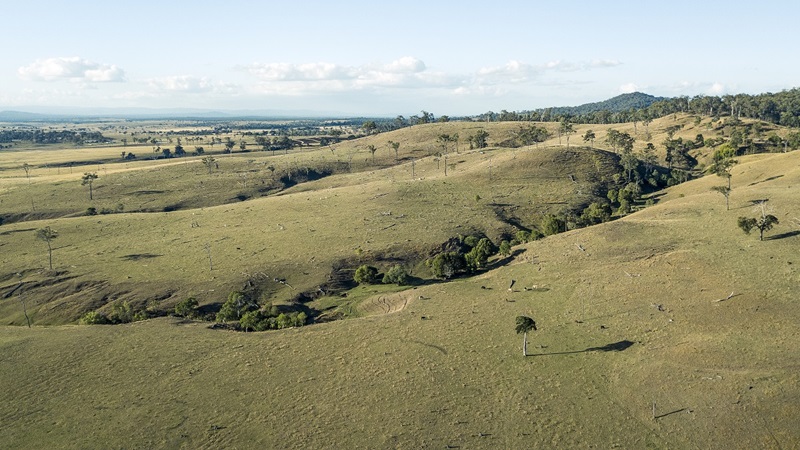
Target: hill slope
671	312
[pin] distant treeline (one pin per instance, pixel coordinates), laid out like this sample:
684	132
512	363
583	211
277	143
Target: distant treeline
782	108
51	137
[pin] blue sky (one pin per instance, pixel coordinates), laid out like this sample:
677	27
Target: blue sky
388	58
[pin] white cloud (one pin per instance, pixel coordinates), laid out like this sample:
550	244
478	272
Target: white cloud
189	84
717	89
627	88
71	68
520	72
298	79
406	64
302	72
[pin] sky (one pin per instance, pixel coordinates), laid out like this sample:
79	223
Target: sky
376	58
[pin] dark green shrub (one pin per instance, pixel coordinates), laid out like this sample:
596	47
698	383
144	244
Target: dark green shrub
551	225
94	318
366	274
477	257
121	312
505	248
187	308
396	275
446	264
236	305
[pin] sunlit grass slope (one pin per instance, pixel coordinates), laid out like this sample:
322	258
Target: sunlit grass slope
669	328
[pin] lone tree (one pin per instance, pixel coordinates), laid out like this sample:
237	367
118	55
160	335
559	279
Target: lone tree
395	147
372	149
524	325
565	129
722	168
763	223
88	178
479	140
208	161
726	191
47	235
589	136
366	274
27	168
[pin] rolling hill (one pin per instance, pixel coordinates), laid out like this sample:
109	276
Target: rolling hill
668	328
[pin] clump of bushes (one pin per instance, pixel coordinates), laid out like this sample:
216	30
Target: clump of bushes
252	317
94	318
467	254
187	308
235	307
260	320
121	312
396	275
366	274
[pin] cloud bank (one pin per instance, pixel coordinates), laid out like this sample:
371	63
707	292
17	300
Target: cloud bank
72	69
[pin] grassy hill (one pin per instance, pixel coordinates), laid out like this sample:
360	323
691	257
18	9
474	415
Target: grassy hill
319	211
668	328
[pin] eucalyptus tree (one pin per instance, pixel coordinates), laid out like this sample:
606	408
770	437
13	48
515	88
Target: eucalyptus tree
396	147
524	325
566	129
726	192
47	235
27	168
372	149
763	223
589	136
88	179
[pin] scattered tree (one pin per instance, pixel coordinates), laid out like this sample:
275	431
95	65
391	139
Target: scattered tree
369	127
566	129
763	223
47	235
372	149
366	274
88	179
27	168
726	192
524	325
396	147
477	257
187	308
479	139
589	136
446	264
209	162
551	225
237	304
396	275
723	165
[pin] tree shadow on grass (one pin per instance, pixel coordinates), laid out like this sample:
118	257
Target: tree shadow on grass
613	347
783	235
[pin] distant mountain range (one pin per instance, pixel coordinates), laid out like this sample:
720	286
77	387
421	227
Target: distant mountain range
619	103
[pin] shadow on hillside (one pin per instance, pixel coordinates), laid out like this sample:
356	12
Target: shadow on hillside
783	235
504	260
613	347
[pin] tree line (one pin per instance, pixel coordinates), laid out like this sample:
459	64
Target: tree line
782	108
38	136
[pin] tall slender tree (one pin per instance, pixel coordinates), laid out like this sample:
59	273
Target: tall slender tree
47	235
524	325
88	179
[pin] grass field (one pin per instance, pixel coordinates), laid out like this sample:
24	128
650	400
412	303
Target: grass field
668	328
